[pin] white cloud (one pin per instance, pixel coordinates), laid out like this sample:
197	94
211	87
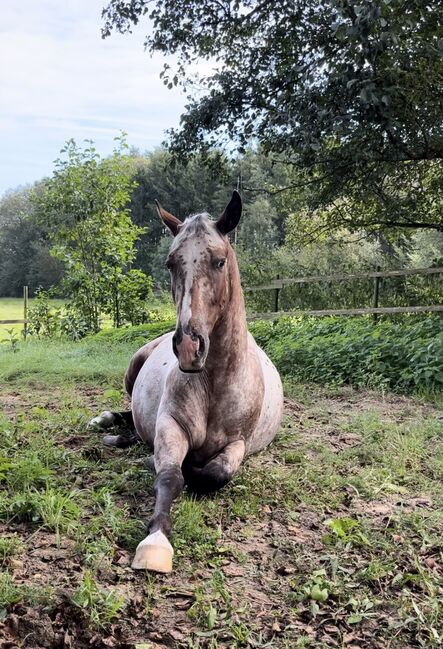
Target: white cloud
59	79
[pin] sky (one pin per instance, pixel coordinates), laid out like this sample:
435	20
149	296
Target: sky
59	79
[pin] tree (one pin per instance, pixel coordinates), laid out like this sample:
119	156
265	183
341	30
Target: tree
84	205
24	258
184	188
348	93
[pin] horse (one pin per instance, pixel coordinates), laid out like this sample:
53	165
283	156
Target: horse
205	396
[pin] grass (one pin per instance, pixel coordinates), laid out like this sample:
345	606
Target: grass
331	536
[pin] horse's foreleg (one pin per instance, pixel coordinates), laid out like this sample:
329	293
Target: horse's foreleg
170	448
218	471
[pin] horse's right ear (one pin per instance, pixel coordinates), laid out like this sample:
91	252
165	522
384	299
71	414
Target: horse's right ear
172	222
231	216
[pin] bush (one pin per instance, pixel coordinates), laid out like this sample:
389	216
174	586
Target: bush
140	334
403	356
43	318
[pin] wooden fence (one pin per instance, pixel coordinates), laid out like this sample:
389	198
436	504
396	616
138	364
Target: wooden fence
278	284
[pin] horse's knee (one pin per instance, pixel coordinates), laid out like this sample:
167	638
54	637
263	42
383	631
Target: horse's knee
169	481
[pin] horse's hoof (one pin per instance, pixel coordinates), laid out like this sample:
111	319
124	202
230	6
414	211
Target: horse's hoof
111	440
154	553
105	420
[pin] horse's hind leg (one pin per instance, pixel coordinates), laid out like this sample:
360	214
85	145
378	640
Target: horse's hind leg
124	420
218	471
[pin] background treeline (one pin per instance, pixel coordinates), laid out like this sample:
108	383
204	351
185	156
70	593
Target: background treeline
277	235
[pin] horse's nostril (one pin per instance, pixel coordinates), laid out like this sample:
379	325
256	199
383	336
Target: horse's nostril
201	347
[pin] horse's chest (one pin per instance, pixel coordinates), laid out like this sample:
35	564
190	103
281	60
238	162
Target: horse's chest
226	423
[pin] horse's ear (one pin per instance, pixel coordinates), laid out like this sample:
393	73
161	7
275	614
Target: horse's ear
171	221
231	216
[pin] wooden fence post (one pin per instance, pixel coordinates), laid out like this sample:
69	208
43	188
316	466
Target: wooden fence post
376	294
25	311
276	297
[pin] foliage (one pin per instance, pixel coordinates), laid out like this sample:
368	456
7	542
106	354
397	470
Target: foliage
72	323
134	287
404	356
84	207
25	259
136	335
348	95
338	255
12	339
9	547
43	318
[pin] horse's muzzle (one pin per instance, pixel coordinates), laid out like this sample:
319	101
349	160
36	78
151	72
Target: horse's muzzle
190	350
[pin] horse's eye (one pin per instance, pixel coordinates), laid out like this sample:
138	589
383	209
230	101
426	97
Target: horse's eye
221	263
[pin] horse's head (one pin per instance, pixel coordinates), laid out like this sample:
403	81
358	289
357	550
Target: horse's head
199	261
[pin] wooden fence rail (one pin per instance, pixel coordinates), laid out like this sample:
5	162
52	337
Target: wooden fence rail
279	283
370	310
13	321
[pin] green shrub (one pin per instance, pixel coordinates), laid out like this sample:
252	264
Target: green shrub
140	334
403	356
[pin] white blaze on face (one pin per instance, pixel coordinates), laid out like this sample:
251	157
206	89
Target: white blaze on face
192	243
186	305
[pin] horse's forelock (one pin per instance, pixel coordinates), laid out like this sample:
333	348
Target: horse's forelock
195	225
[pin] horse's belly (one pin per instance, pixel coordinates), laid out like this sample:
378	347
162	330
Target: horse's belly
149	387
272	407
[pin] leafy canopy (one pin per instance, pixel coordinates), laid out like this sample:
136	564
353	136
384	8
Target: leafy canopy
349	92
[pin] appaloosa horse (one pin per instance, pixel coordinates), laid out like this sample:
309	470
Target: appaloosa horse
205	396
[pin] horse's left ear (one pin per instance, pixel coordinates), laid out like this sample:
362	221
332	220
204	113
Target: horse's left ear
231	216
171	221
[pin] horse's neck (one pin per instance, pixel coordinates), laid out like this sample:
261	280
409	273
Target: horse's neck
229	339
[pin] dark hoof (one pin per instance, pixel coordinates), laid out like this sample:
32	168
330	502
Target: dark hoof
120	441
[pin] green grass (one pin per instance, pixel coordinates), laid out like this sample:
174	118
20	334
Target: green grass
335	529
58	361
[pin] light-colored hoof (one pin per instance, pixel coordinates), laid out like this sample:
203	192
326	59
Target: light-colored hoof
105	420
154	553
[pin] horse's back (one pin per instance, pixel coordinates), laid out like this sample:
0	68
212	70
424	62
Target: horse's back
272	406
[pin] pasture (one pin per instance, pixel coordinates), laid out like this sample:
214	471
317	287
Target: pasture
11	308
329	538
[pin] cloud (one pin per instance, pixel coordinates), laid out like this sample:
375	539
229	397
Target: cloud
59	79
